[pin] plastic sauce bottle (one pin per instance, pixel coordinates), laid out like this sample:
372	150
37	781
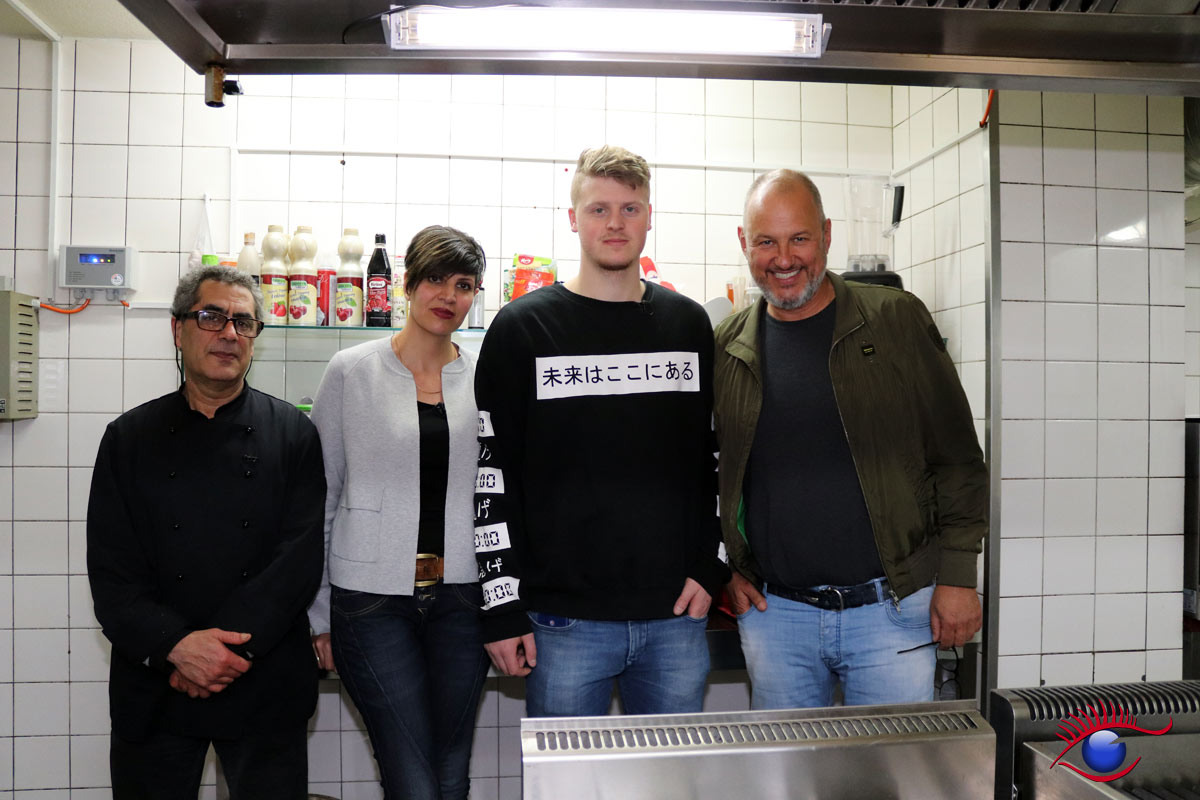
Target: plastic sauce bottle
379	286
348	305
302	278
248	260
274	276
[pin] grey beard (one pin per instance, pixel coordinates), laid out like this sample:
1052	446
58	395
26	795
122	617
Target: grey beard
799	300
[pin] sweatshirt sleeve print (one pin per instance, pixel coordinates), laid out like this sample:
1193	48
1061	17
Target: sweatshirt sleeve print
498	535
705	565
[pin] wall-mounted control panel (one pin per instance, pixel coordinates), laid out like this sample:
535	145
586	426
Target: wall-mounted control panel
86	267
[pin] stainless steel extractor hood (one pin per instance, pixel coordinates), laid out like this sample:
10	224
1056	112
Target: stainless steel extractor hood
1136	46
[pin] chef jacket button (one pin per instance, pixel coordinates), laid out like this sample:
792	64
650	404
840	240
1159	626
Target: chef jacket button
245	523
175	526
245	574
171	429
179	577
171	474
249	429
248	473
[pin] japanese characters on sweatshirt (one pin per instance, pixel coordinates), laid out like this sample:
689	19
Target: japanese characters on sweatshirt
596	492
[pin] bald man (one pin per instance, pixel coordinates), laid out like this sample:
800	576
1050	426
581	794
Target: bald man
853	490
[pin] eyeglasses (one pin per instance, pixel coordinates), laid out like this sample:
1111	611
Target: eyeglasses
216	321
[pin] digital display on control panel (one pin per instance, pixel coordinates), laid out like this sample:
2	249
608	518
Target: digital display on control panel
97	258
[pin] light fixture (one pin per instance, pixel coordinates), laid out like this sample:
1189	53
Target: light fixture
591	30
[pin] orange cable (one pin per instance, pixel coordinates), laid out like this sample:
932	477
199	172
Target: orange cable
988	109
74	310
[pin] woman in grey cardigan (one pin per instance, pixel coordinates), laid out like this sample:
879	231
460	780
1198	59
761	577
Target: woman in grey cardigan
398	612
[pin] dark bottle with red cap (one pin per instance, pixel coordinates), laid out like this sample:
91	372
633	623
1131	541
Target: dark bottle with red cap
379	286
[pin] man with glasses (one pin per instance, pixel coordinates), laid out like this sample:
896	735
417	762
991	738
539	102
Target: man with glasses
205	548
853	491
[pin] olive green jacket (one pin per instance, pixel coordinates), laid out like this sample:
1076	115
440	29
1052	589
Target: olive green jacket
908	424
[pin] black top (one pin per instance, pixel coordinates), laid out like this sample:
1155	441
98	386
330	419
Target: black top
596	495
435	466
197	523
806	518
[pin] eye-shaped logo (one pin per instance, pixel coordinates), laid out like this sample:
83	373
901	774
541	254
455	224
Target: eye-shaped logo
1101	749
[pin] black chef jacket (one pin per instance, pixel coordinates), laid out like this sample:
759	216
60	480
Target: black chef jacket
198	523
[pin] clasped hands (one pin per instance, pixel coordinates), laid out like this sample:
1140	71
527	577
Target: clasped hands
204	664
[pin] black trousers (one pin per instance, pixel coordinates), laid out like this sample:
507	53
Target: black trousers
261	766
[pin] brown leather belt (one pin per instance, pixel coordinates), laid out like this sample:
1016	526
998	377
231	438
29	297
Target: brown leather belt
430	569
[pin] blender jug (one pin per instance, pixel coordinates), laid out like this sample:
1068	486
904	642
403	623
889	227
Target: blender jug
871	219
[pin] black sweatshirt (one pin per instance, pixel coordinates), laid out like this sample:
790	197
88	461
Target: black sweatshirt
596	495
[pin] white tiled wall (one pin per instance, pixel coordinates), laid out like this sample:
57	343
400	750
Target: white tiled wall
1192	320
1092	279
490	154
939	248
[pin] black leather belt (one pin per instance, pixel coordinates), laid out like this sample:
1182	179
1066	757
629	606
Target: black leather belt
835	598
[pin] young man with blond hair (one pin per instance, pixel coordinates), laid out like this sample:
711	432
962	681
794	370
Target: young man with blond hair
596	533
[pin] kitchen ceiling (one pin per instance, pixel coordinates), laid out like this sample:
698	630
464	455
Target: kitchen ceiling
1136	46
72	19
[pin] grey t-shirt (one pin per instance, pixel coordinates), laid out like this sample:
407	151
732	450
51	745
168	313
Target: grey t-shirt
806	518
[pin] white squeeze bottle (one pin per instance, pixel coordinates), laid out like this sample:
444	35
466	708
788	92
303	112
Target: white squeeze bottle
248	260
348	304
302	278
274	276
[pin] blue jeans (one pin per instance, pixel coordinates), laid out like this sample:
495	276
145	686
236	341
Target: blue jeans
660	666
796	653
414	667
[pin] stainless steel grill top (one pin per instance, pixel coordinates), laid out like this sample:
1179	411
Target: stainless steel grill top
717	730
926	751
1057	702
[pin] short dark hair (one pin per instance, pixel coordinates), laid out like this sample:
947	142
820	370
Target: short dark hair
187	293
440	251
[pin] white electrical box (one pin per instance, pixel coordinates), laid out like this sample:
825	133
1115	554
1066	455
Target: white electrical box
81	267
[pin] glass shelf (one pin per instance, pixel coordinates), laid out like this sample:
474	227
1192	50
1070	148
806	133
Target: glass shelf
356	329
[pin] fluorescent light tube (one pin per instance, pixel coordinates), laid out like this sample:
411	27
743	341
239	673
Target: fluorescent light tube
623	30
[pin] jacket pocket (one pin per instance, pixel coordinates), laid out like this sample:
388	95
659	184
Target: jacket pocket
356	526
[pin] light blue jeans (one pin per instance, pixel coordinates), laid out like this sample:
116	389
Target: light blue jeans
796	653
660	666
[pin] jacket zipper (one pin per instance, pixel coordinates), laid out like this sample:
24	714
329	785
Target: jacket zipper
846	433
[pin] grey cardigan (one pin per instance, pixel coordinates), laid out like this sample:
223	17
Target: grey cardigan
366	413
